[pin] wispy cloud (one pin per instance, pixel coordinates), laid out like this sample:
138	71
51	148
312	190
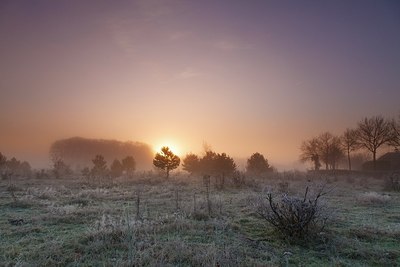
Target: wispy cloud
140	23
155	9
230	45
125	33
177	35
185	74
188	73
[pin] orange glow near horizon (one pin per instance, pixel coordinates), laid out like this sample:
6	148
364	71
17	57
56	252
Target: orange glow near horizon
173	146
262	76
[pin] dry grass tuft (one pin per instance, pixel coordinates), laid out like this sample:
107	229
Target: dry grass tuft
373	198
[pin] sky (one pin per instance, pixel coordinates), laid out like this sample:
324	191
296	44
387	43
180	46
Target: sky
241	76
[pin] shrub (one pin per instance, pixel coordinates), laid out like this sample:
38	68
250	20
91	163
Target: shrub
373	198
292	216
392	182
238	179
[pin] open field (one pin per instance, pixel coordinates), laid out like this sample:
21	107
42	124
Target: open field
150	221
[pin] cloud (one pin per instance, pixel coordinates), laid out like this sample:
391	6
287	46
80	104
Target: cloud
230	45
141	23
177	35
124	33
155	9
188	73
185	74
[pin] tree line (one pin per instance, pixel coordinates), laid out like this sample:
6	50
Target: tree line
218	165
117	168
13	167
78	152
370	134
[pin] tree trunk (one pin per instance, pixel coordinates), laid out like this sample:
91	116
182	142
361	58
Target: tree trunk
374	159
348	157
167	173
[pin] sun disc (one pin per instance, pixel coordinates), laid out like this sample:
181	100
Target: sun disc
172	146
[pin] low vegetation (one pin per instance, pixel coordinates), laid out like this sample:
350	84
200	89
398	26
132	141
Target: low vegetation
146	220
297	218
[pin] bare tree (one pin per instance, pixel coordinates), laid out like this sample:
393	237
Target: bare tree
349	143
395	141
309	152
329	149
374	132
326	147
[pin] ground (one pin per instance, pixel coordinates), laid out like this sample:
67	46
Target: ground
148	221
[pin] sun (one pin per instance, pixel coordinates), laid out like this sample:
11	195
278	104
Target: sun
172	146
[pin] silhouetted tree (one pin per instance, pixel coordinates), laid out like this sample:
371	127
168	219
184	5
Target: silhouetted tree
26	168
100	166
116	169
329	149
395	140
60	169
3	166
207	163
79	151
225	166
349	143
86	172
336	153
129	165
13	164
309	152
191	163
3	160
166	160
326	147
258	164
374	132
217	165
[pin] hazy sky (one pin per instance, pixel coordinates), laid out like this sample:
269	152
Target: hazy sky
243	76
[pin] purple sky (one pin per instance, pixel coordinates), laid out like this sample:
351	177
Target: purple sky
243	76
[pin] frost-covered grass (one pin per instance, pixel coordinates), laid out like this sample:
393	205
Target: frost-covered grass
167	223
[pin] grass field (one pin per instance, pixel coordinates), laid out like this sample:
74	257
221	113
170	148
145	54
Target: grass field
147	221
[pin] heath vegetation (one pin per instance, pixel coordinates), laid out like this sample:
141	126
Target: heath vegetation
209	213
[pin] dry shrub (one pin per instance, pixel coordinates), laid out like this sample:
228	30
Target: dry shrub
63	210
97	193
294	217
392	182
283	186
238	179
12	189
373	198
43	193
350	179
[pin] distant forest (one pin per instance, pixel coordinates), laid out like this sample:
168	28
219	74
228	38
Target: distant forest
78	152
